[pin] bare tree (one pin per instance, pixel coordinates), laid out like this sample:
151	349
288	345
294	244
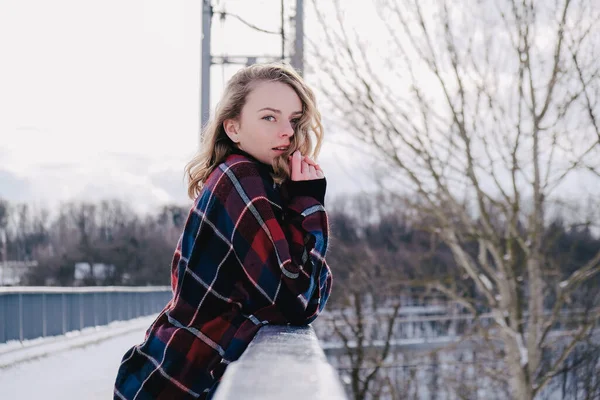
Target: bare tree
26	228
383	262
483	113
365	286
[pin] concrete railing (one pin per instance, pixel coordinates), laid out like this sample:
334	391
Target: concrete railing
33	312
282	362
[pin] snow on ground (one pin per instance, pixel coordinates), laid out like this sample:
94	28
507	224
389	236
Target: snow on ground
84	370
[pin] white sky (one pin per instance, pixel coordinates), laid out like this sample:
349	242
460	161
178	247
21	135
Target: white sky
101	98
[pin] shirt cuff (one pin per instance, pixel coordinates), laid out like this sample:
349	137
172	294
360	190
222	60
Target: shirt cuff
314	188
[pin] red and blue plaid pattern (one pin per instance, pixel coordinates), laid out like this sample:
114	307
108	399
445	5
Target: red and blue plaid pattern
248	256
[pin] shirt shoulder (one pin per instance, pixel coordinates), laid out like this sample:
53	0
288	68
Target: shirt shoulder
241	176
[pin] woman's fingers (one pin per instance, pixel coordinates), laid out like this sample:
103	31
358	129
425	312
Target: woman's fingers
303	168
311	162
319	172
297	166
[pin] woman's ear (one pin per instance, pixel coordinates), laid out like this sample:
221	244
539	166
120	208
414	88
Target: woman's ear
231	128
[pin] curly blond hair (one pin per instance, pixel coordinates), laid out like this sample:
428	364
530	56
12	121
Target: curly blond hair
215	145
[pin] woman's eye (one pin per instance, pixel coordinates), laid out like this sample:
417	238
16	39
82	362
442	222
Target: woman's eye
295	121
266	118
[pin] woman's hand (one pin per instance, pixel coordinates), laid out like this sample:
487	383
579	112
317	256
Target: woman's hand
304	169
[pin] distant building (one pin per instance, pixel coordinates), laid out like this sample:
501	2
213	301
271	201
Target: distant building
13	273
98	272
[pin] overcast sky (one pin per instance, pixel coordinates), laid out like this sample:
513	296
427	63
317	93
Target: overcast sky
101	98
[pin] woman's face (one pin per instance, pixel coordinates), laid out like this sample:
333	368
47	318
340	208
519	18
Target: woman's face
266	124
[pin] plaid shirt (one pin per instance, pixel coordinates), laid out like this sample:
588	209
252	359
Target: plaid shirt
251	253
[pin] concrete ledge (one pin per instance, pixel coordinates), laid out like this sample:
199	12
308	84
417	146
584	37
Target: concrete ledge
282	362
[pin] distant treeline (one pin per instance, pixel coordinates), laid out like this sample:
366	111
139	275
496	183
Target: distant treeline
371	236
140	247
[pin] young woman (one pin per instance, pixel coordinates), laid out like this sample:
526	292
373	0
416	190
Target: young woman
253	248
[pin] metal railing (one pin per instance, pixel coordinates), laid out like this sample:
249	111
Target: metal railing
33	312
263	371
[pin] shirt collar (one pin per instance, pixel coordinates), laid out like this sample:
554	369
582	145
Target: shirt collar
236	150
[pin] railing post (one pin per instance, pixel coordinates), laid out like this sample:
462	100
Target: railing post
120	316
64	313
21	317
44	316
108	314
95	308
138	297
130	308
80	311
3	333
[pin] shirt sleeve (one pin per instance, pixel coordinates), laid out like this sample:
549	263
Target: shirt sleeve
314	188
284	260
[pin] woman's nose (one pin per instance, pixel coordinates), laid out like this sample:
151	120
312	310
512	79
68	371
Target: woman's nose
287	130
